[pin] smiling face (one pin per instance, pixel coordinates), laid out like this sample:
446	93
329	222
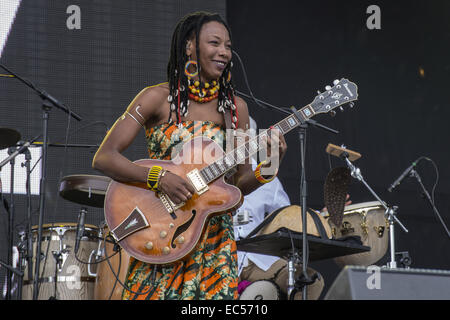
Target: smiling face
215	50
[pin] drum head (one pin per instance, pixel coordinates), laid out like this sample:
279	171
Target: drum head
261	290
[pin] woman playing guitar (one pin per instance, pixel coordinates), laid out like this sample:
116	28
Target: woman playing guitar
193	102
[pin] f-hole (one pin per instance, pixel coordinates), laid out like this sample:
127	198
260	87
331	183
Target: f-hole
183	228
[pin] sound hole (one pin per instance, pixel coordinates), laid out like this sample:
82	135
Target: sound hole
183	228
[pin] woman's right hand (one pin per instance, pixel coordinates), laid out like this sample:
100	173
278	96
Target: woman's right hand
176	188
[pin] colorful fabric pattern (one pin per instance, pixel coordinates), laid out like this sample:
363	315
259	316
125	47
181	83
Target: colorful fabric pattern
210	272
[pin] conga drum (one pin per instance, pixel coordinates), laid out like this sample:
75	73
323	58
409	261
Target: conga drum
62	275
366	220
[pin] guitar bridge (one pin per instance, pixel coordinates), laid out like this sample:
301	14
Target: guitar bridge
169	204
197	181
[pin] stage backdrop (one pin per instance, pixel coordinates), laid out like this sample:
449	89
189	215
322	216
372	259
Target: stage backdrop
291	50
94	57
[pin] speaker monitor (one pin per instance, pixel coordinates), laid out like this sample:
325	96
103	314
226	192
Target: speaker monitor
376	283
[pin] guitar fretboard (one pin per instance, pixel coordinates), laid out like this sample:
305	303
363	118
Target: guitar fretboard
251	147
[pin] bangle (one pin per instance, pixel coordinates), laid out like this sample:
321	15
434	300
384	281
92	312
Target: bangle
153	177
163	172
258	175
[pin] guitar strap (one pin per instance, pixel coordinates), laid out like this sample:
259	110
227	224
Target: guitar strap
227	116
229	138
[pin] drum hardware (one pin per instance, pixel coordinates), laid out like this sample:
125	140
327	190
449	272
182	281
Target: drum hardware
404	260
347	228
25	249
48	102
65	275
364	226
379	230
390	212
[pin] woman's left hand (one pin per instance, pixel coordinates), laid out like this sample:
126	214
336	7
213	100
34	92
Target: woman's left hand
276	145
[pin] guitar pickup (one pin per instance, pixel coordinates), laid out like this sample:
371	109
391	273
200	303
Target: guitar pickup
197	181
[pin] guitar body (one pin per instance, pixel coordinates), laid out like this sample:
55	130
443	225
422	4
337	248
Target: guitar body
148	231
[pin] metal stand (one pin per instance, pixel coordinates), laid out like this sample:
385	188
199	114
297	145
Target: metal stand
390	212
48	102
13	153
12	209
416	175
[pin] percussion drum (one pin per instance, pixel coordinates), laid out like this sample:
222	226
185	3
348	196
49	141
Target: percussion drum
261	290
106	286
290	217
59	266
366	220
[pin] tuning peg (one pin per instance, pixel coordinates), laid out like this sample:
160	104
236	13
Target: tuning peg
335	82
342	109
318	92
351	104
328	88
332	113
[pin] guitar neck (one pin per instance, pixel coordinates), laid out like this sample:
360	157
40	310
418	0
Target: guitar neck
251	147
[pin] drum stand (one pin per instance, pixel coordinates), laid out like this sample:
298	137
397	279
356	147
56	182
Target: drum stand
48	102
390	212
27	249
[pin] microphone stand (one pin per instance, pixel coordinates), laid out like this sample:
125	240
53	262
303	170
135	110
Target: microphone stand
390	212
12	210
13	153
47	103
304	280
416	175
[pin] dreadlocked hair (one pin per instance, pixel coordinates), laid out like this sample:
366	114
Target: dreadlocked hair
188	27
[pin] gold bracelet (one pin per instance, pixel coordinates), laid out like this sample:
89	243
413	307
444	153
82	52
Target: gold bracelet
163	172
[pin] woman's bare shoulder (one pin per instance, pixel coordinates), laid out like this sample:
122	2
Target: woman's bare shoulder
156	92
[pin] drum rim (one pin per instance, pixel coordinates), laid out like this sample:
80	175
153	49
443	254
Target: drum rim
66	225
275	285
362	205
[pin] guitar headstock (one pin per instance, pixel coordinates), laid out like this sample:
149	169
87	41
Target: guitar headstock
342	92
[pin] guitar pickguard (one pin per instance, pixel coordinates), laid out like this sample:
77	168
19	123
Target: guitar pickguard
134	222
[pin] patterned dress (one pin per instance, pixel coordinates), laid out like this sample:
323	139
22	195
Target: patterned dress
210	272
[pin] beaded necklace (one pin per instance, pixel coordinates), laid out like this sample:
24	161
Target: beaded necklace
203	95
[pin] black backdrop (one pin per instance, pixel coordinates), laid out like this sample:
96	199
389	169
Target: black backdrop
292	49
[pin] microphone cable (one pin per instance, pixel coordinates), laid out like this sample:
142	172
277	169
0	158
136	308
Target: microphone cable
283	110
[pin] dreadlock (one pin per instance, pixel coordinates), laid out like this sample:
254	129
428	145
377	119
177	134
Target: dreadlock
188	27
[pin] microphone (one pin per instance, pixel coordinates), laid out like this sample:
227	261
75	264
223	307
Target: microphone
402	176
80	228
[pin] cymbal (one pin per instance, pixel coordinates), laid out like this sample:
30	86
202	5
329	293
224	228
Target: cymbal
84	189
8	137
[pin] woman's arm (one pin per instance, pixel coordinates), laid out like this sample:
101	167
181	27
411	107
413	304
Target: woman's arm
109	158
